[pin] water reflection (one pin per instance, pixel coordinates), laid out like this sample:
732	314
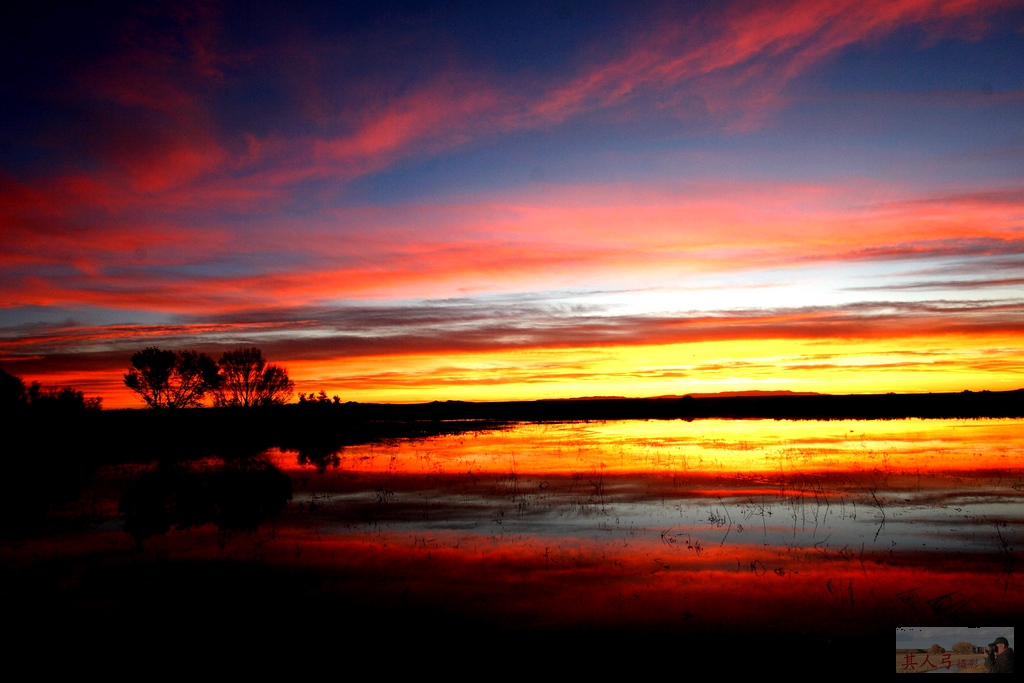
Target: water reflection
708	528
913	484
920	519
236	494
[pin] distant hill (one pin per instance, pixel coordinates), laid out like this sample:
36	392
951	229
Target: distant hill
752	393
719	394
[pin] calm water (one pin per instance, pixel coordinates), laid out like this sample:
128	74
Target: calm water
830	486
845	527
801	524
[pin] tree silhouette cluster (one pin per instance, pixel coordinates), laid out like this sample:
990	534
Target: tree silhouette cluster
169	379
14	394
319	399
48	451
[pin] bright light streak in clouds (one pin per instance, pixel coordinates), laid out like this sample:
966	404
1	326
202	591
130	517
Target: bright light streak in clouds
612	235
406	203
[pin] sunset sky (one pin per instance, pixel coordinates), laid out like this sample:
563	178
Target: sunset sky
431	201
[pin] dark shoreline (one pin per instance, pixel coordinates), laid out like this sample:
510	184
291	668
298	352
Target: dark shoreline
69	443
316	416
318	429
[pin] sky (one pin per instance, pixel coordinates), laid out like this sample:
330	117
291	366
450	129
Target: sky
407	202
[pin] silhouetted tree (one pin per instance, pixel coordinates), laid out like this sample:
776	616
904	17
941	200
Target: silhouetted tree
936	649
248	380
963	647
165	379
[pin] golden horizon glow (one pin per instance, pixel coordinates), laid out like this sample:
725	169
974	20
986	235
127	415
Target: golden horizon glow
821	366
827	366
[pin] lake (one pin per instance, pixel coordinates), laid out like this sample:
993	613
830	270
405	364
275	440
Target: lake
707	529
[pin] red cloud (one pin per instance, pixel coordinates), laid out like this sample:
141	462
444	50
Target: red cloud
736	62
608	236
